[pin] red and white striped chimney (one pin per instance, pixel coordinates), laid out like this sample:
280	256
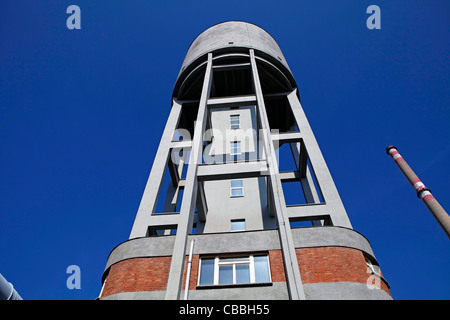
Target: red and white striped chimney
422	192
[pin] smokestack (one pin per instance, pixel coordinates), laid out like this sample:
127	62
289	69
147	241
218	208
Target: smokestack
422	192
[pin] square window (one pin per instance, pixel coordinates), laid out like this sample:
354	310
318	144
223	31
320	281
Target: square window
235	148
238	225
237	188
237	193
228	270
207	272
234	122
237	184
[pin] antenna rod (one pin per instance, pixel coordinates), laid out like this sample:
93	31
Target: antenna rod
422	192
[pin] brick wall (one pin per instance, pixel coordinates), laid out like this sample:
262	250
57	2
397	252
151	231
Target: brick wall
194	272
276	266
321	264
334	264
138	274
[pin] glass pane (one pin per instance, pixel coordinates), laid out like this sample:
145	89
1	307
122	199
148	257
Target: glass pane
236	183
236	192
238	225
235	149
226	274
207	272
239	259
261	269
242	273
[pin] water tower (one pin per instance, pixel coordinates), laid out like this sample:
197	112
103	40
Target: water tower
240	203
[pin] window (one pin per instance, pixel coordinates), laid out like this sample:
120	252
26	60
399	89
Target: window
234	270
235	148
238	225
237	188
234	121
163	230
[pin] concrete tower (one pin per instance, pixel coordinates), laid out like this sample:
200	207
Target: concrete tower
219	218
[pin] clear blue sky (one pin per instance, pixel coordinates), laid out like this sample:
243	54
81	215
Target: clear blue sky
82	112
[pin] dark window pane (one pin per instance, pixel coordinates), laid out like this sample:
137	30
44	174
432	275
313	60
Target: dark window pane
226	274
242	273
261	269
207	272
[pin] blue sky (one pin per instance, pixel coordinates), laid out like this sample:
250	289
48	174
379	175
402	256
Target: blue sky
82	111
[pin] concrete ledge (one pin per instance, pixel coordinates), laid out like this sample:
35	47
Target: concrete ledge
141	247
234	242
331	237
141	295
343	291
278	291
249	241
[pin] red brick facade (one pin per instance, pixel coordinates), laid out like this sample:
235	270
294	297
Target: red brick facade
138	274
335	264
321	264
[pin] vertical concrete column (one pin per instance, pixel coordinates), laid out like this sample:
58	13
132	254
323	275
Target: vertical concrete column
154	182
185	220
292	270
323	177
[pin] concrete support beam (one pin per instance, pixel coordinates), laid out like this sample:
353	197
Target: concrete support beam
232	101
307	211
287	137
174	282
181	144
292	271
230	67
152	189
324	180
232	170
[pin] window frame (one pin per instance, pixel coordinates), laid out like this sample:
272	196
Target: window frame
234	146
236	188
233	122
234	260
